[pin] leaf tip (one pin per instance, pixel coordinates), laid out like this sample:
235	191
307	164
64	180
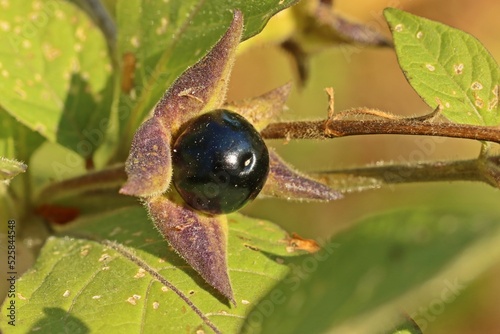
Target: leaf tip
237	15
199	239
203	86
392	16
389	11
285	182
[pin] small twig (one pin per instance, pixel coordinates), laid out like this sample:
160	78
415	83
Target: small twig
110	178
341	128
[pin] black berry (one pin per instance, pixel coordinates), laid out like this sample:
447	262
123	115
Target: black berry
220	162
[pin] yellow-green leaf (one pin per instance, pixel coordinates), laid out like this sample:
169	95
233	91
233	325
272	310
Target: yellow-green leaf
447	67
55	72
107	273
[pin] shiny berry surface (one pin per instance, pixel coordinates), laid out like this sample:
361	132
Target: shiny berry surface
220	162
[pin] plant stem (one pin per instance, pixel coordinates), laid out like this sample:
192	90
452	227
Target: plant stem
341	128
363	178
110	178
486	168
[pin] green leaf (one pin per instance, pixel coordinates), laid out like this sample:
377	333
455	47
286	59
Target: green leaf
109	277
10	168
158	40
55	72
447	67
374	266
16	140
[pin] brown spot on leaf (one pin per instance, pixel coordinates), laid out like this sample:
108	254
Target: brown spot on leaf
476	85
104	257
128	71
458	68
478	102
430	67
140	273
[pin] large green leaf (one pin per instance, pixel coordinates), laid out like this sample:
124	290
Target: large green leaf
447	67
55	72
89	284
158	40
376	263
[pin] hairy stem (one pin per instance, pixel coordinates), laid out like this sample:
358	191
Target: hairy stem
363	178
110	178
341	128
486	168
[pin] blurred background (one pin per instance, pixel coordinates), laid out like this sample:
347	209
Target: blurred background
364	76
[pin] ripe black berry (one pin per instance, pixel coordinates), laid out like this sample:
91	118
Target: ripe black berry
220	162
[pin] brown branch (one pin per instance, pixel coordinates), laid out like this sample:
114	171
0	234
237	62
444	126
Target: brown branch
111	178
341	128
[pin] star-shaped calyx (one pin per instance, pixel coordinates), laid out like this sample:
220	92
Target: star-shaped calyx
201	238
